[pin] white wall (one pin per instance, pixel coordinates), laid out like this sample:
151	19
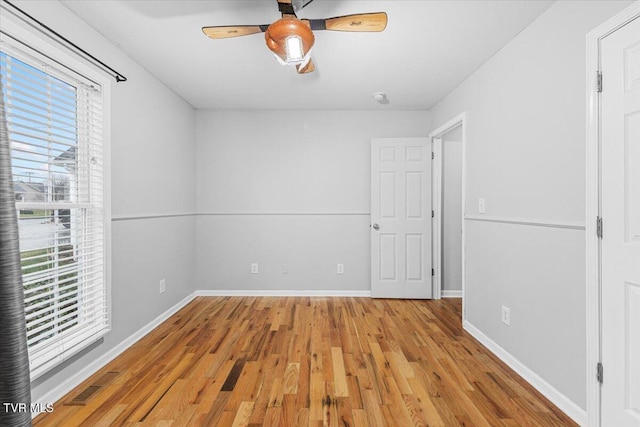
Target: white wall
288	187
452	210
153	162
525	155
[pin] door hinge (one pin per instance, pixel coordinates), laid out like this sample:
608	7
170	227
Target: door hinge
432	155
599	230
433	272
433	214
599	372
599	81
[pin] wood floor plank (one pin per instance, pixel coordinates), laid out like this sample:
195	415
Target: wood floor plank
424	403
339	375
273	417
355	393
291	379
262	388
243	390
244	413
158	390
329	407
289	409
373	408
187	416
110	416
267	361
360	418
316	396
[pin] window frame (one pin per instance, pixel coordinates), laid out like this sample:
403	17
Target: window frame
18	35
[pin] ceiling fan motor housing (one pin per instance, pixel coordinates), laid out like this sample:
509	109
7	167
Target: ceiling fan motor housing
277	34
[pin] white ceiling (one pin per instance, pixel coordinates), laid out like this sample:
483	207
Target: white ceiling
428	48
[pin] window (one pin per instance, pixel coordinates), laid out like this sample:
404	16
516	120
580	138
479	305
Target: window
55	129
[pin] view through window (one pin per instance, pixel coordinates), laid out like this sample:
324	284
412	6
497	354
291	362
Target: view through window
55	131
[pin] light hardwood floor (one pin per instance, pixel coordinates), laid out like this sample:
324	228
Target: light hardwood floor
243	361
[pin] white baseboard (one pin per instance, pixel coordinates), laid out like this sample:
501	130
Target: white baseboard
565	404
70	383
451	293
281	293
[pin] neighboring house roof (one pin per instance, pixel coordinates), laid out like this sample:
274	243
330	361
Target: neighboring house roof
31	191
30	187
18	188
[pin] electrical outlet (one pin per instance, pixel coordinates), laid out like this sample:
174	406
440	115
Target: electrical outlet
481	205
285	269
340	269
162	286
506	315
254	268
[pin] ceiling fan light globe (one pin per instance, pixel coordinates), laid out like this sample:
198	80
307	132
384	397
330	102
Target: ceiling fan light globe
294	50
290	40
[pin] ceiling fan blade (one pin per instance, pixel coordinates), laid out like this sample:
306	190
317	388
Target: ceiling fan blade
360	22
308	68
225	32
287	8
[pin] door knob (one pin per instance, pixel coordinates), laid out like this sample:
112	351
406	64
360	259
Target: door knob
376	226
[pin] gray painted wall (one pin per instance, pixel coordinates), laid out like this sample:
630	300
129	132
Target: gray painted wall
153	162
294	189
525	155
263	191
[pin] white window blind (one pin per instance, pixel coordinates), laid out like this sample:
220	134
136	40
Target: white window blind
55	130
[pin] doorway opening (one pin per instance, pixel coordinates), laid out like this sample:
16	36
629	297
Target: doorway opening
451	218
448	208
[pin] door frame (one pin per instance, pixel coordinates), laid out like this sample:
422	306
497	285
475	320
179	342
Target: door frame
593	205
437	183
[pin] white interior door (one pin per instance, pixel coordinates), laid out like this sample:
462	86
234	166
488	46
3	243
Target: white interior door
620	145
401	218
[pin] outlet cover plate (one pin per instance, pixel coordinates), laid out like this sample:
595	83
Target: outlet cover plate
506	315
